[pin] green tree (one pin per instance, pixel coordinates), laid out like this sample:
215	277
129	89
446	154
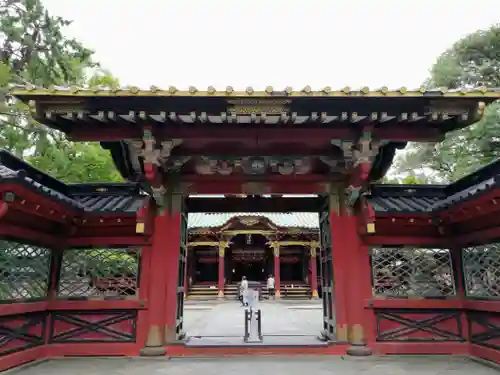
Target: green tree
408	180
35	51
471	62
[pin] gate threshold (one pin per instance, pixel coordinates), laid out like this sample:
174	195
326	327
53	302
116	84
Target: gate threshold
268	340
235	346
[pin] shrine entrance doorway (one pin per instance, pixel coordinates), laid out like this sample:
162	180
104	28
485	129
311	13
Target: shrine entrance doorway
249	256
257	256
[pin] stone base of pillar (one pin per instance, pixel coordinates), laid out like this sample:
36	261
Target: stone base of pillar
220	294
359	351
315	294
153	351
170	334
154	343
277	294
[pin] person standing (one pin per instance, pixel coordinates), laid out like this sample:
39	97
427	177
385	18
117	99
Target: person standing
244	291
270	287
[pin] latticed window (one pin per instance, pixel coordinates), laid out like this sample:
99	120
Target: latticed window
481	266
404	272
99	273
24	271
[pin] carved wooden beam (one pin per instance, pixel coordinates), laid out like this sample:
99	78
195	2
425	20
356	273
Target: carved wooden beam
223	245
313	248
364	151
275	245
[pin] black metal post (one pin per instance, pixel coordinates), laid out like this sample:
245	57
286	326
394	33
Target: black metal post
247	331
259	323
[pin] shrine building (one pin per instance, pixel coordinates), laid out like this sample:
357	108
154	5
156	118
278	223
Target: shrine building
254	245
105	269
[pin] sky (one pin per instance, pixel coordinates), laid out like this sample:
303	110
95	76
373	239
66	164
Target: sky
281	43
278	43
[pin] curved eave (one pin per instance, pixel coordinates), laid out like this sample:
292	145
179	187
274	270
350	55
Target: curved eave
121	157
383	161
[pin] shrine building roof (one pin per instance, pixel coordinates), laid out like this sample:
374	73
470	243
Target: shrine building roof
102	198
305	220
434	198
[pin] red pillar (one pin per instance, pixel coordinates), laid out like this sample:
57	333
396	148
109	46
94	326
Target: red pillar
157	290
359	289
277	280
314	270
222	248
341	274
172	249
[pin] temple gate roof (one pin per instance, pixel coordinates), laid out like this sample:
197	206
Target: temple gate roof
240	135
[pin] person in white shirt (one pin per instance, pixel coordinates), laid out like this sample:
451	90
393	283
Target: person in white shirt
270	287
244	291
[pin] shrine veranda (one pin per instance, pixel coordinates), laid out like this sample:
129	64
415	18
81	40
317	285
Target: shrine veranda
103	269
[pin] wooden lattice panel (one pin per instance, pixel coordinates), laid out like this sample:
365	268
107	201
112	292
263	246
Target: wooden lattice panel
418	325
484	329
481	266
405	272
93	326
20	332
99	273
24	271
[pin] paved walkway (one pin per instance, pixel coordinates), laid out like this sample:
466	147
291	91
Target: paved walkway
324	365
278	319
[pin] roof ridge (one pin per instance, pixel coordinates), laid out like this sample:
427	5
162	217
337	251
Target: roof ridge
481	174
16	164
268	91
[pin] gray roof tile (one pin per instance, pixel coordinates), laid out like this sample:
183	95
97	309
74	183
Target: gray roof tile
309	220
124	199
110	203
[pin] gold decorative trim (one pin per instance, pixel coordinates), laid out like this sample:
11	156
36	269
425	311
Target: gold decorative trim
356	334
250	92
341	332
275	245
139	228
223	245
294	243
230	233
249	221
313	248
203	243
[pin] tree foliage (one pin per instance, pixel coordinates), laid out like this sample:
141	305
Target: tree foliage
408	180
471	62
35	51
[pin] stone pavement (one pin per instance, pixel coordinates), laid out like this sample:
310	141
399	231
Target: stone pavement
321	365
278	319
